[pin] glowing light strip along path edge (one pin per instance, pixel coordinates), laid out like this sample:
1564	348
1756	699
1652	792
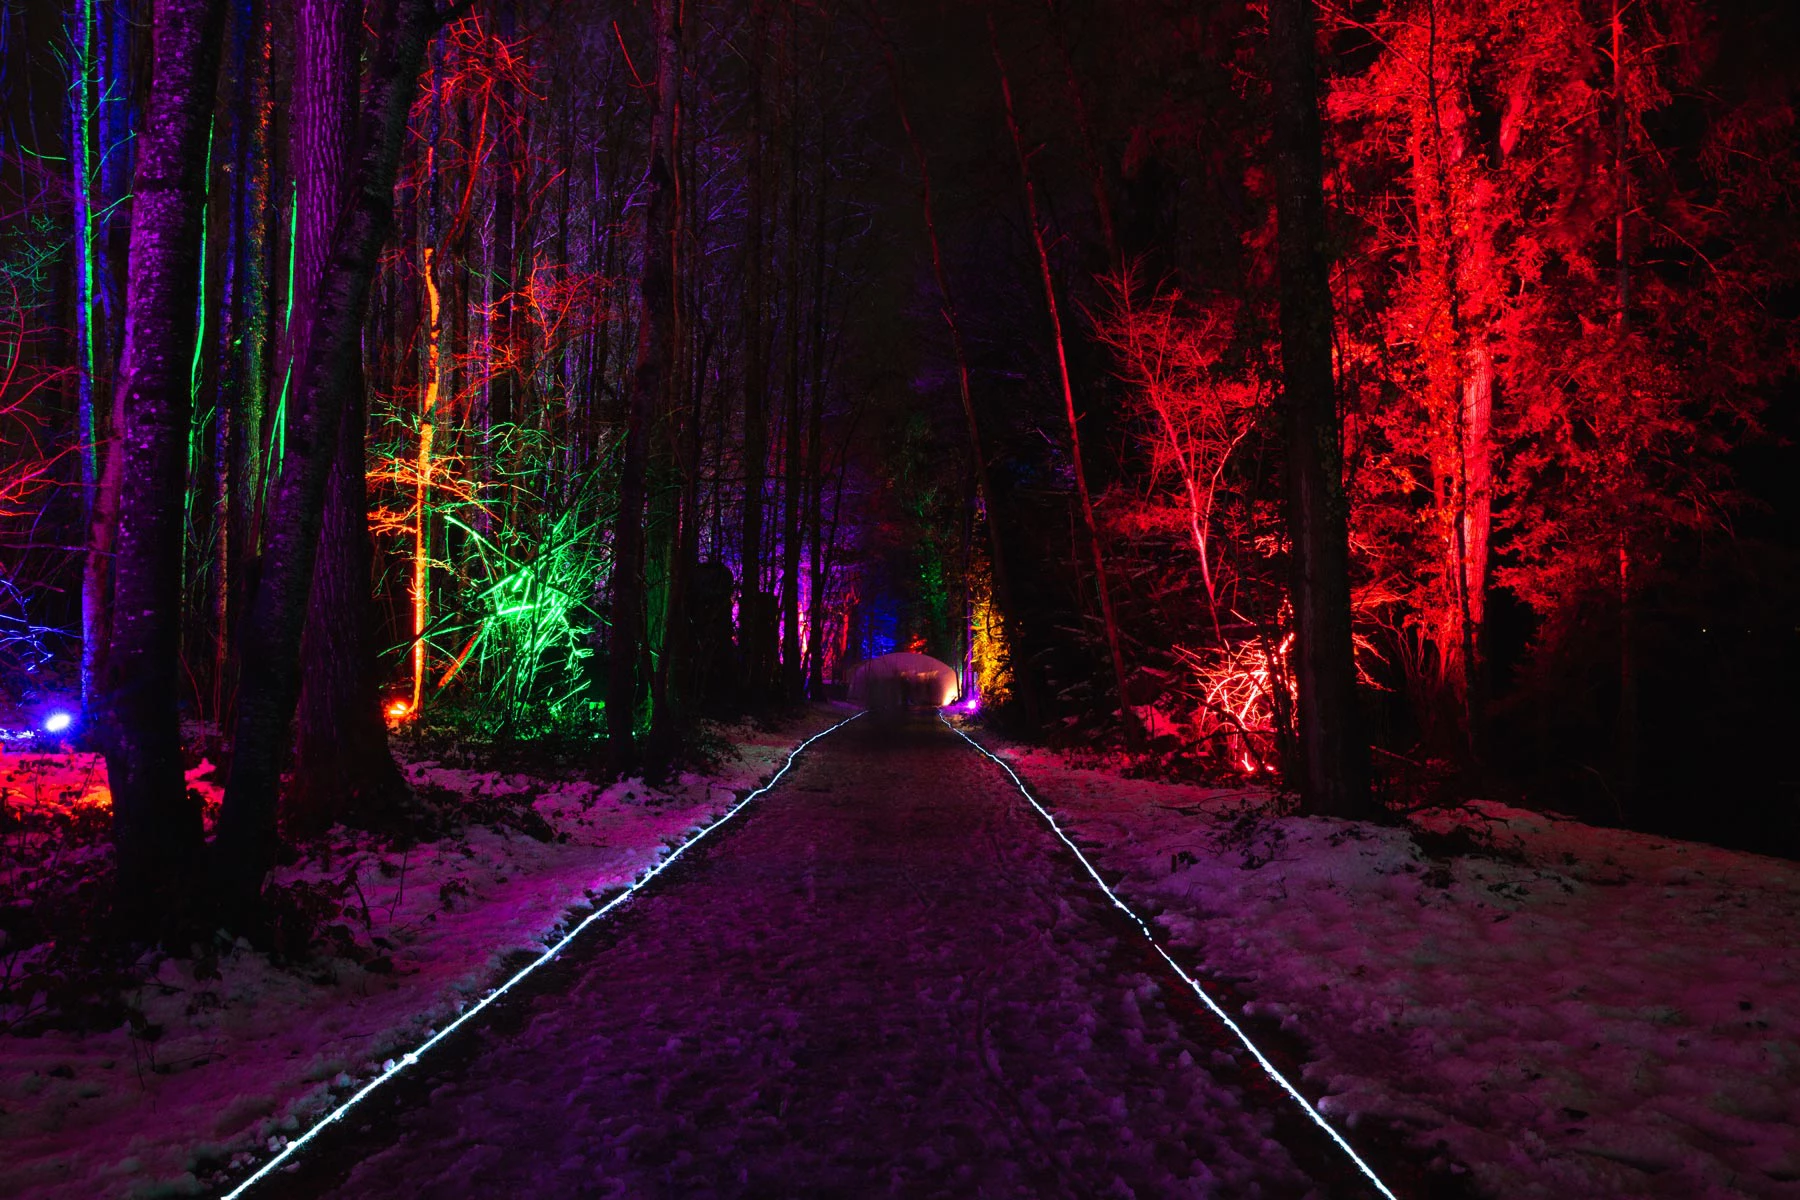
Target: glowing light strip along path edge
412	1056
1262	1059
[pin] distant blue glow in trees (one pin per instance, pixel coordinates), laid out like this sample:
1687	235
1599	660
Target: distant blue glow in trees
881	632
57	722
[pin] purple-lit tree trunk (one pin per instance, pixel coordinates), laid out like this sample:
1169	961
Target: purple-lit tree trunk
322	379
1332	768
653	373
815	439
156	826
243	373
100	102
793	452
752	652
343	769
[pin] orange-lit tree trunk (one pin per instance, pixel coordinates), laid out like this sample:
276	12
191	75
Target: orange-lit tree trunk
1332	766
424	465
1095	542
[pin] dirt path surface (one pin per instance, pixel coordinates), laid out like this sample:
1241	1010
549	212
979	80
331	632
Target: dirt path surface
886	978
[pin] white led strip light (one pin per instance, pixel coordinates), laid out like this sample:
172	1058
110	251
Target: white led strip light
1262	1059
412	1056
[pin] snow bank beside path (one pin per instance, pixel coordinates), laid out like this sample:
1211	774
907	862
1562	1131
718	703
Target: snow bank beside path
1570	1011
241	1053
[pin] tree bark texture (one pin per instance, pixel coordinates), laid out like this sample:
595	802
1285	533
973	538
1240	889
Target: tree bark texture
103	110
1332	771
247	382
791	678
654	369
343	769
322	379
752	653
156	824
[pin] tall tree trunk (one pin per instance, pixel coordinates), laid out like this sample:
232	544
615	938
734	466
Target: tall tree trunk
1455	239
1126	716
156	825
1626	722
343	769
431	240
1332	770
654	371
271	637
1625	728
815	436
85	40
246	431
751	651
431	387
674	540
792	473
101	152
977	458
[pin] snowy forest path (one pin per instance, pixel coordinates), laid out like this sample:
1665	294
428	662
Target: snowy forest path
886	978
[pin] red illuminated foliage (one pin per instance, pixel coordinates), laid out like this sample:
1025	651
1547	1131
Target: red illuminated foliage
1545	324
1194	412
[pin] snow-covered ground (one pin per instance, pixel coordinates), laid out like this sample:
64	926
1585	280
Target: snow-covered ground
222	1056
883	981
1569	1011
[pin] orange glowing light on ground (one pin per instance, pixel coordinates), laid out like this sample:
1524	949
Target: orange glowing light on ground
399	710
53	785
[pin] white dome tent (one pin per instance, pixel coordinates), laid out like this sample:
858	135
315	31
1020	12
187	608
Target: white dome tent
896	681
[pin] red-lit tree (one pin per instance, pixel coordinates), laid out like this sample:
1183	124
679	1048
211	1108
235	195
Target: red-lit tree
1545	326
